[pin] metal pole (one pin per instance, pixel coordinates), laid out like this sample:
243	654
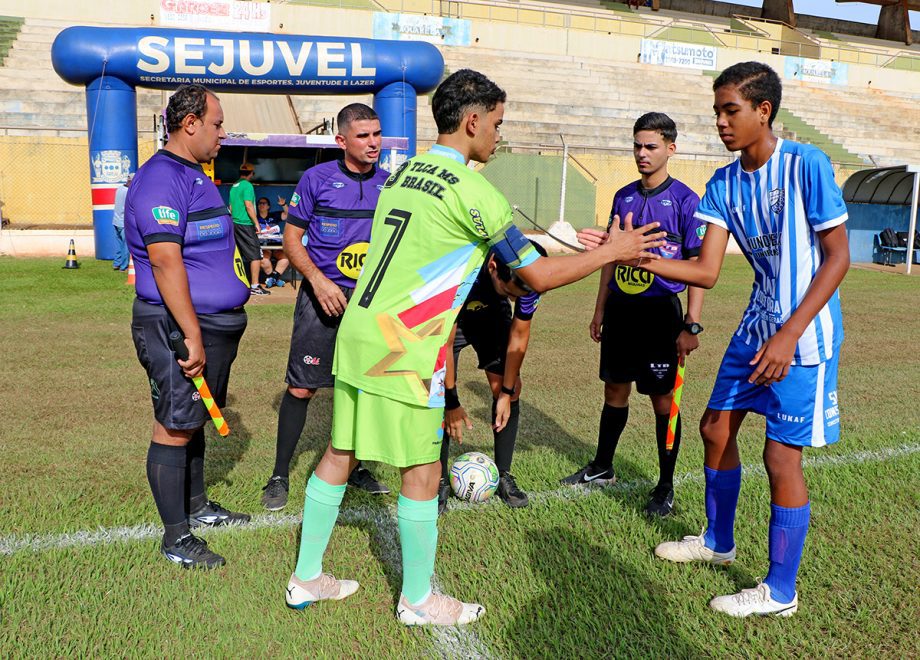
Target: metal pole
912	223
565	162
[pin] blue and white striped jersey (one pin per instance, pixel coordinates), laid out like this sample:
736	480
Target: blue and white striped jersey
774	214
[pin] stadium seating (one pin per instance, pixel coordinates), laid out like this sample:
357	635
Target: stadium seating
592	102
9	30
33	97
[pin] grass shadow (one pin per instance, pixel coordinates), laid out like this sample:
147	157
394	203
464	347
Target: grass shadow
602	607
223	454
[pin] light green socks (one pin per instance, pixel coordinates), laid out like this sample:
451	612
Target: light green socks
418	535
320	509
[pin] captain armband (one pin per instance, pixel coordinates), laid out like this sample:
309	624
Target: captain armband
512	248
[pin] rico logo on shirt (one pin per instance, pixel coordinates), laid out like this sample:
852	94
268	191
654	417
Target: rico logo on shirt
351	260
632	280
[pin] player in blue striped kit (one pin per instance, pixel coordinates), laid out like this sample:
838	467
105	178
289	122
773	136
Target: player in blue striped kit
781	204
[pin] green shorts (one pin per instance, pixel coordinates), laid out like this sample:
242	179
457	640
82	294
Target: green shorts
380	429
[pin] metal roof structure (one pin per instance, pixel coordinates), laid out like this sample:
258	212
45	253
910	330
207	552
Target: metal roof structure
888	185
881	185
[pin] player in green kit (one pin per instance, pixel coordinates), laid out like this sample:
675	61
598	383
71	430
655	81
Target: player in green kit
435	222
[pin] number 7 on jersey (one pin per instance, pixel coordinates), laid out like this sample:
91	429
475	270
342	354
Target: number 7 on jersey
399	220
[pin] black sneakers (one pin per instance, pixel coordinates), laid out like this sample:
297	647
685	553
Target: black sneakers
189	551
213	514
591	474
509	493
661	501
362	478
443	494
275	495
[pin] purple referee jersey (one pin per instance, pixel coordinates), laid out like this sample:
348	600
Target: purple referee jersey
173	200
336	208
673	205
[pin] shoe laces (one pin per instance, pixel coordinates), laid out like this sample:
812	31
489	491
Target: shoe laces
326	586
193	545
441	604
512	487
694	540
275	486
752	596
216	508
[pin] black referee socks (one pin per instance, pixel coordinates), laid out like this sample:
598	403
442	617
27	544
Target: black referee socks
505	439
292	415
666	459
613	421
166	475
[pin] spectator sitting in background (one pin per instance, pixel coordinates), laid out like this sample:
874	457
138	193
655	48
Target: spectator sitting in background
271	226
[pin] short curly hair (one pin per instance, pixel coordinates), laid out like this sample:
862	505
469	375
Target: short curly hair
756	82
460	93
187	100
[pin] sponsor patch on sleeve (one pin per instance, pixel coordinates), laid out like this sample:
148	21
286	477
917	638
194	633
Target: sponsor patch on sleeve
295	200
165	215
701	230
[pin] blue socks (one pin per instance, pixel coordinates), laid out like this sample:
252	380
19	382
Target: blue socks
722	488
788	528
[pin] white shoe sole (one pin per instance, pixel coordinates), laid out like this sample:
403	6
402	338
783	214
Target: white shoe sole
788	611
470	614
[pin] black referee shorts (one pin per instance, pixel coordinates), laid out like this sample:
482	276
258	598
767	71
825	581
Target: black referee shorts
312	341
486	330
176	402
247	240
639	341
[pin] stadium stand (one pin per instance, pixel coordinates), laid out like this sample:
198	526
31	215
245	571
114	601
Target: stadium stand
9	29
33	96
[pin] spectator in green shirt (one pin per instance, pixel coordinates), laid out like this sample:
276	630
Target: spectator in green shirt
243	210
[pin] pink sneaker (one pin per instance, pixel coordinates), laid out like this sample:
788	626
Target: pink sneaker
325	587
438	610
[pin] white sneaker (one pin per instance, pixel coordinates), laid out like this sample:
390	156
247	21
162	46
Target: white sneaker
693	548
325	587
756	601
438	610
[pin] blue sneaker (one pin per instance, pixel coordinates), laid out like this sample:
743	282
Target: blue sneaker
270	282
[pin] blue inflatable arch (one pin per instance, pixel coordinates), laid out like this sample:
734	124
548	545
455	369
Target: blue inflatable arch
112	62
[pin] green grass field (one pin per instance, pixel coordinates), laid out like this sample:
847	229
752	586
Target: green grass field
572	575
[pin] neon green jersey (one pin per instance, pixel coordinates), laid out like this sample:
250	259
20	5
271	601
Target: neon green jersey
240	193
434	224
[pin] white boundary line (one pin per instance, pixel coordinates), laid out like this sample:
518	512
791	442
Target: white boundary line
450	642
14	543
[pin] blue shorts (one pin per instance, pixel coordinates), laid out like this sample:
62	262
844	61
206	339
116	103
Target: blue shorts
801	409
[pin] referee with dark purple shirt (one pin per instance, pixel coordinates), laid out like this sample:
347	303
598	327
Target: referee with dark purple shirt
638	318
190	278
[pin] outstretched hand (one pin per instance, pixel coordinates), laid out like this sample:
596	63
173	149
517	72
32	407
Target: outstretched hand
627	244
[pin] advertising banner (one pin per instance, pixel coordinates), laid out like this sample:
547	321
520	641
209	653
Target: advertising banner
822	71
673	53
433	29
216	14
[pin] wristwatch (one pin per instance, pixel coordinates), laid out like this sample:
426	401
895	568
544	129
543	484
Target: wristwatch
693	328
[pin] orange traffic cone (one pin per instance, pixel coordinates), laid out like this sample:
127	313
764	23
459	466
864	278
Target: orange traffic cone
71	257
130	270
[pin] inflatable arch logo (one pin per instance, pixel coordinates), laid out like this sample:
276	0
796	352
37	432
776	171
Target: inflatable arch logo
111	63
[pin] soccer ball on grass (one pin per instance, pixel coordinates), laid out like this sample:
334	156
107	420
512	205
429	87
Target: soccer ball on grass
474	477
